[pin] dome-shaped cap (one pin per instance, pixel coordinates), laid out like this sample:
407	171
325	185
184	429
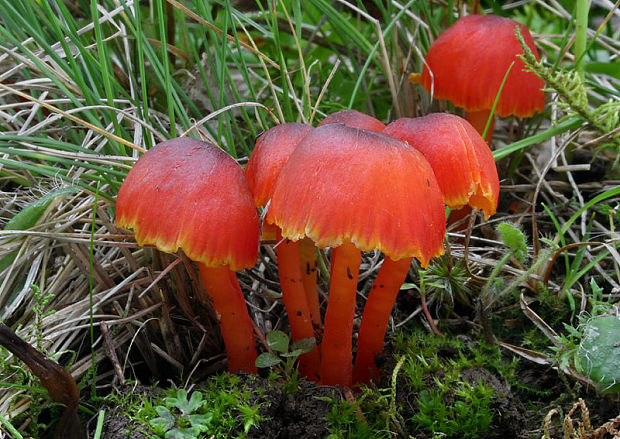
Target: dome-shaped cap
270	153
461	159
355	119
344	184
470	59
188	194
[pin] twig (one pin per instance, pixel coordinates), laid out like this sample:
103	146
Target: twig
111	351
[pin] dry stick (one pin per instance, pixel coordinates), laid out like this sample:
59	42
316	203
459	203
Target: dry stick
111	351
224	109
268	81
427	313
535	239
561	250
57	381
323	90
73	118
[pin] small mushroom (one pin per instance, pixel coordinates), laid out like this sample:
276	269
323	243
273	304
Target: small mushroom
190	195
462	161
299	288
467	64
465	170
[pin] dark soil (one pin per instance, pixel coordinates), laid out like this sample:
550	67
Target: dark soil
119	425
518	411
298	415
286	416
303	414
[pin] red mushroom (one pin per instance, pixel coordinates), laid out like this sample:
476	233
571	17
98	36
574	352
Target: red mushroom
467	64
356	190
354	119
391	276
462	161
190	195
465	170
299	289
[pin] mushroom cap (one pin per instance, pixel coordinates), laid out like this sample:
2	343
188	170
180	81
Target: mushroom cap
470	59
270	153
355	119
462	160
189	194
344	184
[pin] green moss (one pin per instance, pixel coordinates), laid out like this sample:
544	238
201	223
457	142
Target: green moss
227	406
467	415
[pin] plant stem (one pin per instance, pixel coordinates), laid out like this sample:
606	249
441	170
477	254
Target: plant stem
430	319
581	34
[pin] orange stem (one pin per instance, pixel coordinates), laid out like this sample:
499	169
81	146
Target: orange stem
235	323
337	344
294	296
307	262
376	316
478	119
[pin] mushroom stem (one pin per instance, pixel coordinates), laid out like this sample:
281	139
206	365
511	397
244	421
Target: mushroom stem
294	296
337	344
235	323
308	265
376	316
478	119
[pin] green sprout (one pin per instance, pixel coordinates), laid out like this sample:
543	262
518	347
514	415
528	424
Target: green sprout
179	418
285	354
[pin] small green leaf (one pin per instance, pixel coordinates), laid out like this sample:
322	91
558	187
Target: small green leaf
514	239
304	345
599	353
267	359
609	68
165	420
293	354
195	402
201	421
29	216
278	341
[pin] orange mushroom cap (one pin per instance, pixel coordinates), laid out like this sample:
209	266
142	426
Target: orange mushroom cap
470	59
189	194
270	153
343	184
355	119
462	161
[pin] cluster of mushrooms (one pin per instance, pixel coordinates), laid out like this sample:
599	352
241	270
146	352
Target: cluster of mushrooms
351	184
